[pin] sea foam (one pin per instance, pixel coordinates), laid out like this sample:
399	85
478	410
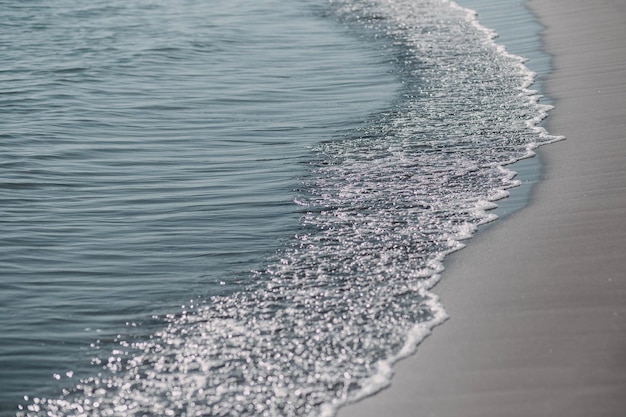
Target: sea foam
351	293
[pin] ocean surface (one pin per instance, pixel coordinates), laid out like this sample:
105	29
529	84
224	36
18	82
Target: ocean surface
238	207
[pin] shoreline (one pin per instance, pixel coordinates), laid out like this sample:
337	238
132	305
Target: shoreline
537	303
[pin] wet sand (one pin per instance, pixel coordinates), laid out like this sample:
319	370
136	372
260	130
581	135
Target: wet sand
537	302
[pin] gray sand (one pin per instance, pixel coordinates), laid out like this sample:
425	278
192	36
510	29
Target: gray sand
538	301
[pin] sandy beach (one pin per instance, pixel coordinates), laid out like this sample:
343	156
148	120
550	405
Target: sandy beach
537	302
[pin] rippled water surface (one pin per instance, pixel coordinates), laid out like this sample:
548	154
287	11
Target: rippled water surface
238	208
150	152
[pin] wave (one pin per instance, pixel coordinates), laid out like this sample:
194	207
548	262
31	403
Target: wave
351	293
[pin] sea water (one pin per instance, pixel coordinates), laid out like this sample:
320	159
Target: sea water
239	208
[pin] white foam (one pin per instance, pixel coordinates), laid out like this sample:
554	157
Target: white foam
382	213
381	379
383	376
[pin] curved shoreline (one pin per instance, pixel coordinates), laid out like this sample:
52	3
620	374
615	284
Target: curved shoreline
537	304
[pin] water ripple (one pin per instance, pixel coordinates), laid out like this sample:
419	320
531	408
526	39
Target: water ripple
350	293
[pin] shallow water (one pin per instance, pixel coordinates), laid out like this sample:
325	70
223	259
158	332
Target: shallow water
239	208
520	32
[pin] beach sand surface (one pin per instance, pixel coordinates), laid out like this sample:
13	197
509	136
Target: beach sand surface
537	302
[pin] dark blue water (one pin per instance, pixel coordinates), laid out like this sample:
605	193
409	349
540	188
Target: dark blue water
235	207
